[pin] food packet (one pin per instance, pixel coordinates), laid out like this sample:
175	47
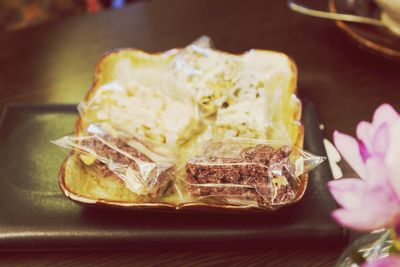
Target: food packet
113	153
246	95
158	111
227	125
248	172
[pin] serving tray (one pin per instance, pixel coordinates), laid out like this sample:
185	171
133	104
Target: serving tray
35	215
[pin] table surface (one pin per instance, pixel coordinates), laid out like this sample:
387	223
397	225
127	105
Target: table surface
54	63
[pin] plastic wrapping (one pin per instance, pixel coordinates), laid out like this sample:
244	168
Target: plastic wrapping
232	88
248	172
143	111
192	125
114	154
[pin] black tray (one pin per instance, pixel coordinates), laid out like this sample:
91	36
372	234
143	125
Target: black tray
34	214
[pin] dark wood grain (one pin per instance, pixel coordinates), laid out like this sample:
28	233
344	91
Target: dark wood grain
282	258
54	63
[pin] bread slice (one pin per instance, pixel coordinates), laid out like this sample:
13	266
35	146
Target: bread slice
128	67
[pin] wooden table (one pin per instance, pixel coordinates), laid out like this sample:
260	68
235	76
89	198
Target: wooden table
54	63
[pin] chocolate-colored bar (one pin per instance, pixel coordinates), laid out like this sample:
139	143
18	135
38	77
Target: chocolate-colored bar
265	174
157	177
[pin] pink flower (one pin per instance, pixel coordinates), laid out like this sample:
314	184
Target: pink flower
373	201
390	261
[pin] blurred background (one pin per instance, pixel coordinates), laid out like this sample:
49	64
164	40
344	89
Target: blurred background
19	14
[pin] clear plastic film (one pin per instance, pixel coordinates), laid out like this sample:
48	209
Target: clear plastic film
245	94
248	172
226	125
111	153
140	95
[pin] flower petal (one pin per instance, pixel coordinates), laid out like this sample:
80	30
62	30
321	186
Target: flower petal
392	159
377	172
348	192
363	151
368	218
364	132
350	150
389	261
375	204
358	220
385	113
380	140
